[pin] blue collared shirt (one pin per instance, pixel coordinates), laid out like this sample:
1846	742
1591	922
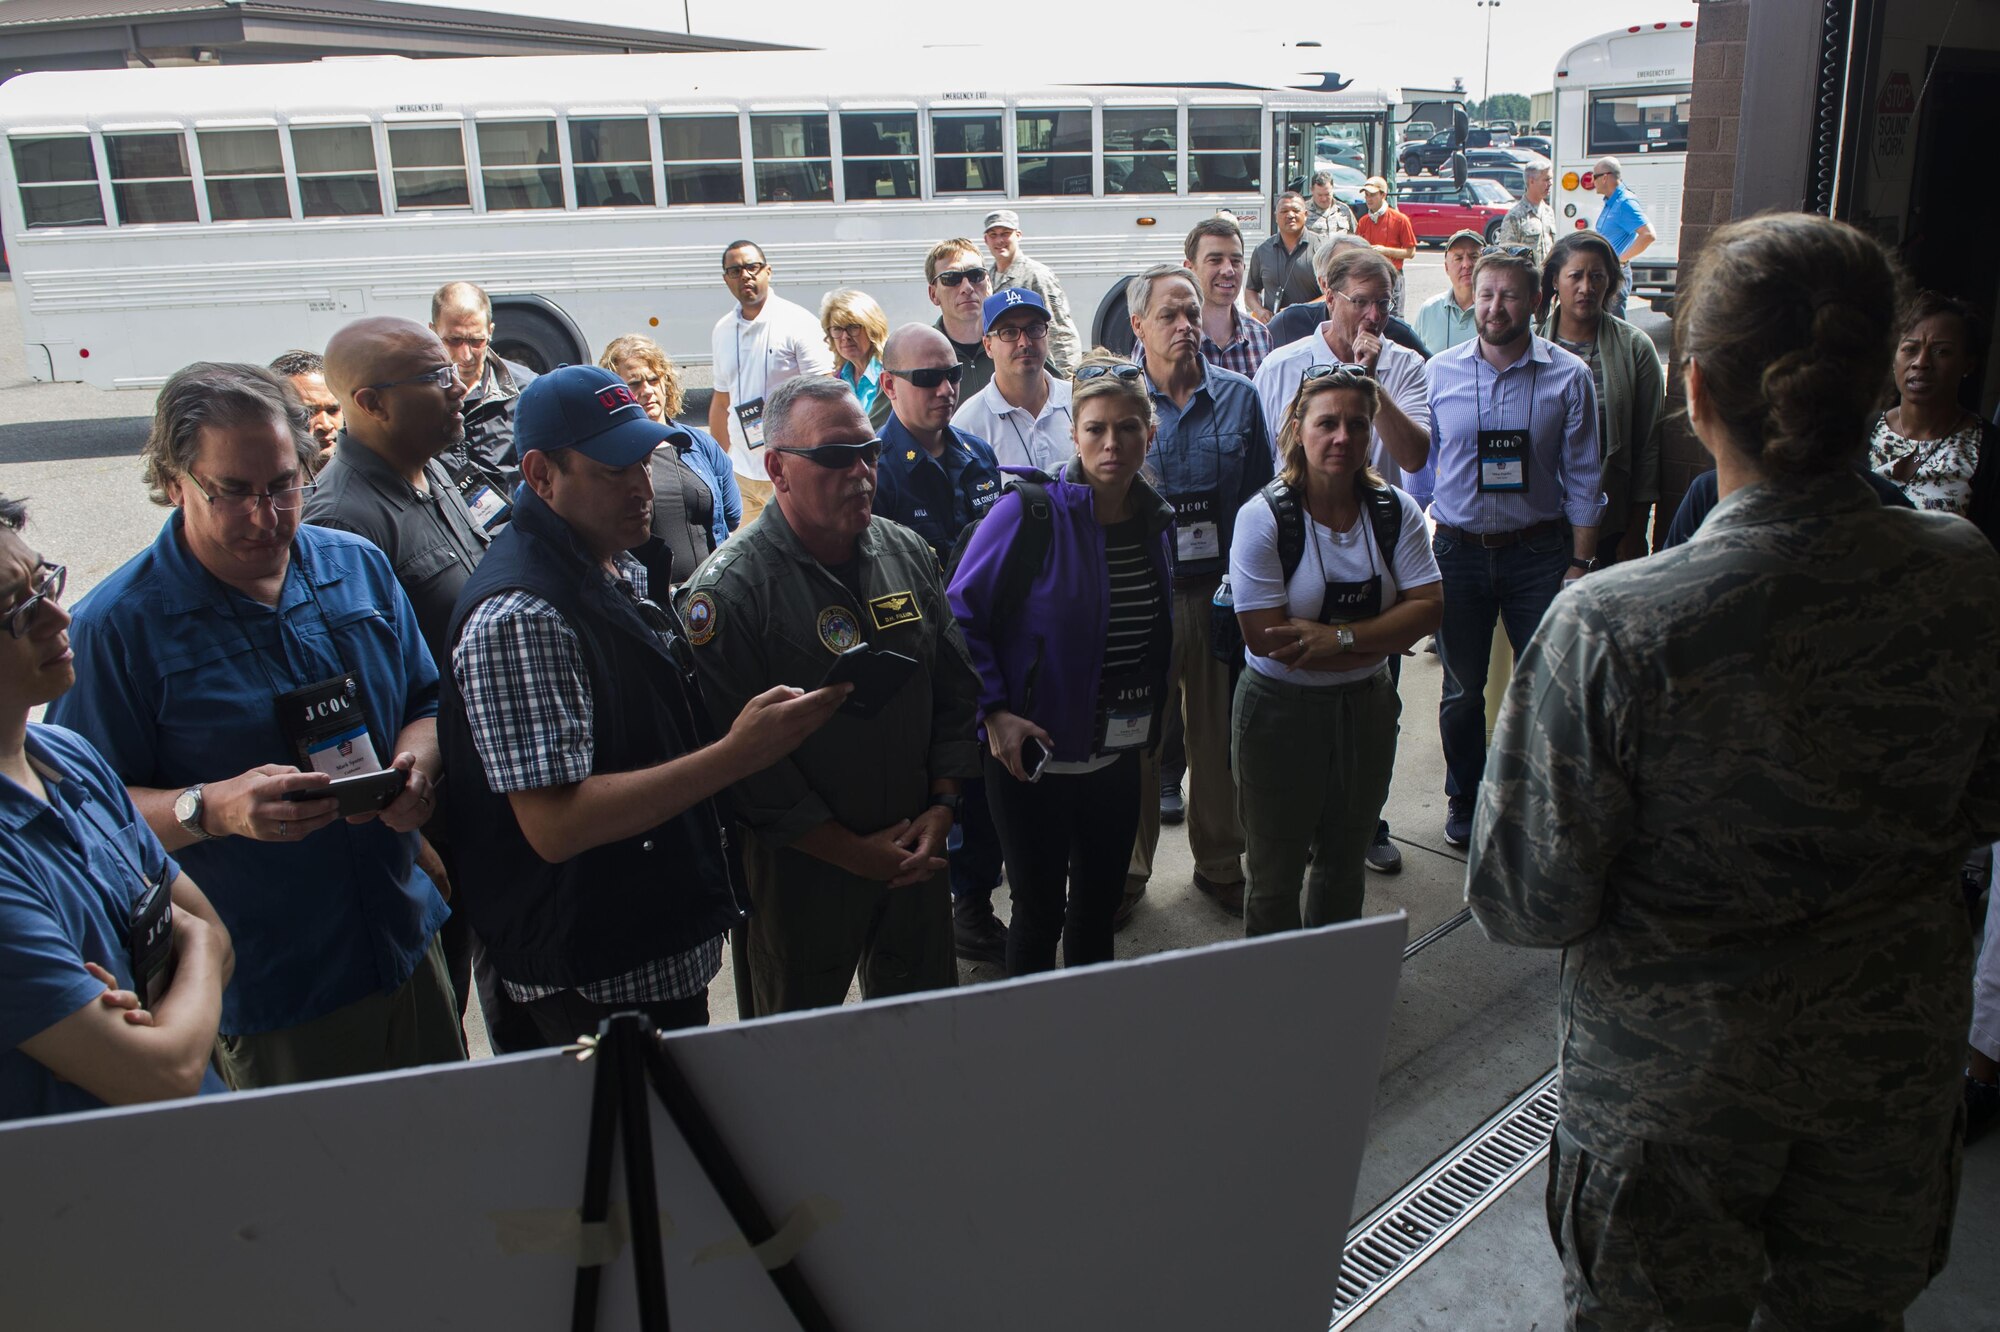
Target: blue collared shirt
937	498
1219	443
1547	391
71	871
176	683
867	383
1619	220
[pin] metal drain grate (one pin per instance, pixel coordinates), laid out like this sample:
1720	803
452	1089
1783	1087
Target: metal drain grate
1399	1236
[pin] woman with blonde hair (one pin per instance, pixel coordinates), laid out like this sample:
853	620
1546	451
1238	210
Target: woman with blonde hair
696	504
1332	573
857	330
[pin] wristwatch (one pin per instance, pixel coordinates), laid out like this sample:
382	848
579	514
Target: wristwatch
1346	637
1578	562
950	802
188	809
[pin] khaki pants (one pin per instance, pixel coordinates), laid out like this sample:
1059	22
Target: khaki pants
756	494
1313	764
418	1024
1199	684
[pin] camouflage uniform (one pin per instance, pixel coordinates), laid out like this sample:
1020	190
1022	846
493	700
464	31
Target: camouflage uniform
1064	350
1532	225
1734	782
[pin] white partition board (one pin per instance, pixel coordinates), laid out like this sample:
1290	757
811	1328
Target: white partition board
1165	1144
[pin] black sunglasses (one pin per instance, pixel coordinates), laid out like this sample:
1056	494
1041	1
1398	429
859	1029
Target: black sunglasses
930	376
839	456
951	277
1124	372
1337	371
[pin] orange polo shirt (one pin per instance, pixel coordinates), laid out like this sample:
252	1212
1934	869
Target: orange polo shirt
1394	230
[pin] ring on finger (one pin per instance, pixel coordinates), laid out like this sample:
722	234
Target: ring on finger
281	827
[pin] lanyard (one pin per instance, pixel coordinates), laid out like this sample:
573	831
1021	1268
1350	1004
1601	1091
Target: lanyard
221	604
1367	539
1479	407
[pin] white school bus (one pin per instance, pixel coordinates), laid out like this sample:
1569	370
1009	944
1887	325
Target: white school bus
158	216
1625	95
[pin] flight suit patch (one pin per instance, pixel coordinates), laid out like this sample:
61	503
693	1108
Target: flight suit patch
894	609
700	618
837	629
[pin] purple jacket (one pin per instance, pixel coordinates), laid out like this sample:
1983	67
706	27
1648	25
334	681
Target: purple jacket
1044	663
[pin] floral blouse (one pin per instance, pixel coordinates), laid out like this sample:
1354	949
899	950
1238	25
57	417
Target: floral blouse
1943	483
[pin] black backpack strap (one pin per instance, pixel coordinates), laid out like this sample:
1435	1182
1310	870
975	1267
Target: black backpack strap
1385	513
1029	550
1290	515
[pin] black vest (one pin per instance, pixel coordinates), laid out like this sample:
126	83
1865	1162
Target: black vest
618	906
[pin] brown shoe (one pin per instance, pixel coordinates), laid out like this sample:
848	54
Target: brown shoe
1228	896
1135	888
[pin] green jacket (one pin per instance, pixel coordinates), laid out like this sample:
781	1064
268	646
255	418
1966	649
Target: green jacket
761	611
1635	399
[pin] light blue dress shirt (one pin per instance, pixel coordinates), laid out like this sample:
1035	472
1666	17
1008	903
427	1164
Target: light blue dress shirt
1548	392
1620	219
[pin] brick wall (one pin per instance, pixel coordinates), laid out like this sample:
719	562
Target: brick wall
1707	201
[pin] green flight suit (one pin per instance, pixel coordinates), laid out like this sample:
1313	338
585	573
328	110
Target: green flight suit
761	611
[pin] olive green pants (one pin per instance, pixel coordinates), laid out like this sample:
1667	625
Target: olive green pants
416	1024
1199	685
1313	764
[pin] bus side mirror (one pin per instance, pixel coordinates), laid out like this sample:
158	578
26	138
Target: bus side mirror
1458	170
1461	126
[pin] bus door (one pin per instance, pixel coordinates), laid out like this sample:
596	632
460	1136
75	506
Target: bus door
1306	142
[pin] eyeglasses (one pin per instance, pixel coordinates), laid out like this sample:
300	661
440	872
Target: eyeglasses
48	588
838	456
951	277
241	504
751	269
1127	373
1511	251
467	343
1013	333
930	376
444	377
1382	306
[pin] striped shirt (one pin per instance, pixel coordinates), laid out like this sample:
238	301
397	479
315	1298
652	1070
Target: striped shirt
1135	602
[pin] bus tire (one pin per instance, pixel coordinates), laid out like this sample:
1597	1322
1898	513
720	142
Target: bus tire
533	332
1112	328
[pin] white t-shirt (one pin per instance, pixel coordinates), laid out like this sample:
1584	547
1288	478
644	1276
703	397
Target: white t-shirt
1398	370
1019	439
1256	573
754	356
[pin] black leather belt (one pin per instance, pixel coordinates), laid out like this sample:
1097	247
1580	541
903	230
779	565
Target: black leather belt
1498	540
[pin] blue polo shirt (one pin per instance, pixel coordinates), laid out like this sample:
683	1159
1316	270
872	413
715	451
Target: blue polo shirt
935	497
1218	444
1619	220
71	871
176	680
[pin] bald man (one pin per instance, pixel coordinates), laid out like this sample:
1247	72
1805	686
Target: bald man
936	480
400	398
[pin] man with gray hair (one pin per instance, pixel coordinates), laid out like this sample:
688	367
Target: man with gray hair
1212	454
846	851
482	464
1531	222
1621	221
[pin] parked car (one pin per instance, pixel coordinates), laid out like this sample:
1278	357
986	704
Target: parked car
1434	152
1536	143
1417	131
1437	208
1512	179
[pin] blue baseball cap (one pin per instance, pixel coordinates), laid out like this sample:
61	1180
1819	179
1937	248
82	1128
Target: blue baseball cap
1014	298
590	410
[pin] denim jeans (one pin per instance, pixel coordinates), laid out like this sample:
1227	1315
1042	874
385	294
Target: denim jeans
1513	585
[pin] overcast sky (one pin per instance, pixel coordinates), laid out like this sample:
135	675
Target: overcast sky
1400	43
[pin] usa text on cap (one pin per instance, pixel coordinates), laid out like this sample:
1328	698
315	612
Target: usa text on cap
590	410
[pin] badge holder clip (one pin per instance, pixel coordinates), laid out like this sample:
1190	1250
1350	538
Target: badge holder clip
631	1057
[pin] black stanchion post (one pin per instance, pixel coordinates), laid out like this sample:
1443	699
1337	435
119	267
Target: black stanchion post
631	1035
596	1190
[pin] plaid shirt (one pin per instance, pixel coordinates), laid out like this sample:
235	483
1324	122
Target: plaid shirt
527	701
1252	345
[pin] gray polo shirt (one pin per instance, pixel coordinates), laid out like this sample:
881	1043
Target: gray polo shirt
1280	277
430	539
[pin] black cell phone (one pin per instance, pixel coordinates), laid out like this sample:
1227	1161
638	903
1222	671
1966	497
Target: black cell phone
877	677
362	794
1034	755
